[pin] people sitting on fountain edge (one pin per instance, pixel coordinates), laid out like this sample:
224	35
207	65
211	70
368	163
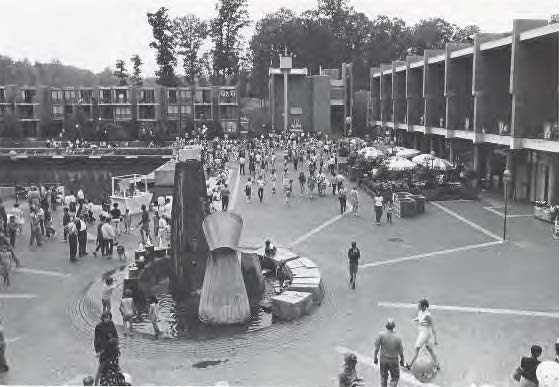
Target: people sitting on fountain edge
269	249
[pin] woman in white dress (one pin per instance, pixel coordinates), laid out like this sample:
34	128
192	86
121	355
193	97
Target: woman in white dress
426	331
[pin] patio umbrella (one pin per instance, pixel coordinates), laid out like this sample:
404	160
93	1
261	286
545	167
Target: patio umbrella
432	161
408	153
396	163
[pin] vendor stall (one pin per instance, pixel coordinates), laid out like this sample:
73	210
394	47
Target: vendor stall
131	192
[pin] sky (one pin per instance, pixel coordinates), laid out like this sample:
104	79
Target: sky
93	34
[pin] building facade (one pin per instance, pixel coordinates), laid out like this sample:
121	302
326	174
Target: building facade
492	105
318	103
29	111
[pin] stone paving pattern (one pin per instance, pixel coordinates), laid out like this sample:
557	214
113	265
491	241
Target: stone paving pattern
50	341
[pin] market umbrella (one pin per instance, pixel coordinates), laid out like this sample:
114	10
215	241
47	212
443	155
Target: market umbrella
396	163
408	153
432	161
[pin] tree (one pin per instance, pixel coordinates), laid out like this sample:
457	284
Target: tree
164	45
464	34
432	34
120	72
553	19
136	70
225	33
191	32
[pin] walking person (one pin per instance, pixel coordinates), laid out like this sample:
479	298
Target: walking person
116	218
273	182
72	239
128	310
334	184
389	347
526	373
35	230
144	224
378	207
127	221
342	199
108	288
82	236
106	344
426	331
354	200
99	240
311	183
153	314
225	197
12	230
248	189
260	187
389	208
301	179
108	235
353	260
65	220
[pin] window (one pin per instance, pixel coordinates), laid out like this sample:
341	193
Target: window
173	110
85	96
186	110
172	96
203	96
123	112
228	96
185	95
105	96
56	96
147	96
121	96
69	95
57	111
337	93
2	96
27	96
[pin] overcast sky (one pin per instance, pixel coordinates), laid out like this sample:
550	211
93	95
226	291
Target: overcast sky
92	34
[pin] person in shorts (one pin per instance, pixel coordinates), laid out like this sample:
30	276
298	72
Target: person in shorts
108	288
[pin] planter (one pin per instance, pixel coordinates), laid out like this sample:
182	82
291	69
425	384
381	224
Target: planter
543	213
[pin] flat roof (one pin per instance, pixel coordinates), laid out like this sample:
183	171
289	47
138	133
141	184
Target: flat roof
462	52
436	58
400	68
505	41
540	31
416	64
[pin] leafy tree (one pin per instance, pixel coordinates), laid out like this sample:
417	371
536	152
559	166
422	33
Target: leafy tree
553	19
225	31
164	45
191	33
464	34
121	72
137	63
432	34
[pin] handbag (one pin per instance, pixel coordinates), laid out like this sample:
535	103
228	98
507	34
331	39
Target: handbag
517	374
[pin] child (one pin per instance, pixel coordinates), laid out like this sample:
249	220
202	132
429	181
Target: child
120	251
273	181
153	314
108	288
389	210
127	221
248	190
128	310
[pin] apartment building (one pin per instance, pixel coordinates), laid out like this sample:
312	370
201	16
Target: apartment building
45	111
491	104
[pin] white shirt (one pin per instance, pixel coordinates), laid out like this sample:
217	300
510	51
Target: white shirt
80	194
378	200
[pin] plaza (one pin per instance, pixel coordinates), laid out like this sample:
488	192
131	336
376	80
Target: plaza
491	299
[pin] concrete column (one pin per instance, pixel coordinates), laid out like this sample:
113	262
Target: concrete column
451	151
553	180
432	143
510	165
285	100
476	158
415	140
489	164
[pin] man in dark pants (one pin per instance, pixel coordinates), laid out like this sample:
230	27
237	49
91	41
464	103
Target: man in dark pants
65	221
342	199
353	259
72	239
82	236
389	345
225	198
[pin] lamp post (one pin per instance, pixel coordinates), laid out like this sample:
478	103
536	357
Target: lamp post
507	179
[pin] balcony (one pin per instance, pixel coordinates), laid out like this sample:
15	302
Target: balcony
146	113
105	96
26	112
173	112
228	97
202	113
85	98
172	97
185	96
123	113
147	97
121	96
106	113
28	96
203	97
228	112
